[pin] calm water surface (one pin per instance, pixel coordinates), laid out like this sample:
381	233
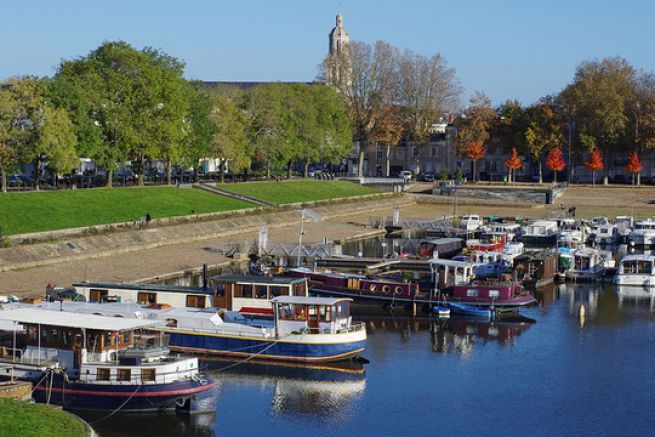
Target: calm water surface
546	373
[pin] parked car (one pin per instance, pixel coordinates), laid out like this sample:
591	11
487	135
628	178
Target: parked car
406	175
426	177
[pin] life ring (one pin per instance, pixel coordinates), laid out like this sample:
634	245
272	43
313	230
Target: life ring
399	290
386	289
372	288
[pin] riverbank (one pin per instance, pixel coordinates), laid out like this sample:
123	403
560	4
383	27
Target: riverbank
36	420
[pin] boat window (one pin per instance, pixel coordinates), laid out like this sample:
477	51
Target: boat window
343	309
494	293
171	323
472	292
279	291
260	292
147	375
146	298
124	374
96	295
195	301
326	313
299	289
243	290
102	374
109	339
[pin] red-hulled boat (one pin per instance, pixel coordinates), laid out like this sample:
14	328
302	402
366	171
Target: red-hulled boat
489	241
490	293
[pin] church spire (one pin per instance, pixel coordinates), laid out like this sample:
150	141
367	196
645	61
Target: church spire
338	37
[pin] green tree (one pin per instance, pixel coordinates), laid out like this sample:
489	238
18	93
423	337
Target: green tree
543	133
8	153
199	130
602	96
229	143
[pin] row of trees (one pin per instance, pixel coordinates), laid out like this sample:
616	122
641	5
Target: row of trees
608	107
391	95
119	104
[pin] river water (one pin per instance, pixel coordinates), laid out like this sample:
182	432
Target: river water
545	373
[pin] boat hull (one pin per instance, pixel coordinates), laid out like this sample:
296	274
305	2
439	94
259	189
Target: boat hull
470	311
635	280
389	300
55	389
295	348
539	240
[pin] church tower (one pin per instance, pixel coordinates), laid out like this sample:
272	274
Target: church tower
337	63
338	37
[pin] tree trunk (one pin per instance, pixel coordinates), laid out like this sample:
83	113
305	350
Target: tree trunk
3	179
638	179
555	177
169	171
140	179
289	170
221	168
360	164
35	174
110	178
268	169
593	179
606	172
305	170
388	161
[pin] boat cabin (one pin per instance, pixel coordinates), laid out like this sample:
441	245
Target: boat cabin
512	230
440	247
450	272
146	294
470	222
536	269
313	315
252	294
637	265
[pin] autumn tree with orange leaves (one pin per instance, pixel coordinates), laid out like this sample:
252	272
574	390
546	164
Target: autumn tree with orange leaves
594	163
555	162
513	163
634	165
475	151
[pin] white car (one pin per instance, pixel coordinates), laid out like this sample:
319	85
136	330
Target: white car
406	175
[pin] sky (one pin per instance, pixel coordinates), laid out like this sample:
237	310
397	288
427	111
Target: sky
509	49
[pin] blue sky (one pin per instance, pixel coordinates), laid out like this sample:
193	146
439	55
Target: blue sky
506	48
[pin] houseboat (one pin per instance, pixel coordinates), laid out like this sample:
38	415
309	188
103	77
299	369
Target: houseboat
485	293
252	294
536	269
248	293
91	362
636	270
486	264
488	241
643	233
590	265
144	294
440	247
511	230
602	231
470	222
624	224
303	329
540	233
511	251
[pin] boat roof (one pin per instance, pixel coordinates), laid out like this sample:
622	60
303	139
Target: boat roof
543	223
144	287
639	257
37	316
450	262
255	279
305	300
442	240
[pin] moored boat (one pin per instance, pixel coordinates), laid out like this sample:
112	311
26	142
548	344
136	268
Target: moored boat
540	233
636	270
590	265
470	310
497	293
643	233
91	362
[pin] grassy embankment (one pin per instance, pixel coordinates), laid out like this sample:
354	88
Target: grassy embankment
27	420
281	193
48	210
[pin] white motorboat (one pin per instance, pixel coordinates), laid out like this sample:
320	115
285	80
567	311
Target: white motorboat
470	222
624	224
643	233
636	270
589	264
540	232
511	251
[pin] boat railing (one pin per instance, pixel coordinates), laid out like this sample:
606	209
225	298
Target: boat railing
356	327
137	376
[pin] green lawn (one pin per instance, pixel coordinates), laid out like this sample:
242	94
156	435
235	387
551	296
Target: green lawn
48	210
27	420
298	191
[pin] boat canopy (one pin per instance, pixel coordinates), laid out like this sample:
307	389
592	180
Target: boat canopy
304	300
36	316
